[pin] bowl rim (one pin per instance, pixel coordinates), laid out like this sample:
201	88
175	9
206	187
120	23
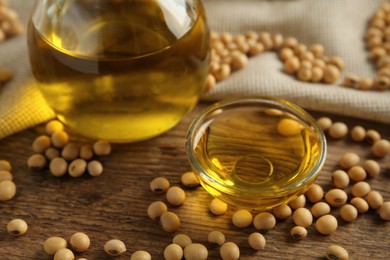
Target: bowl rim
285	105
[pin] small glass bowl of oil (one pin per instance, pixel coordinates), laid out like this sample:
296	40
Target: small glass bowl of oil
256	153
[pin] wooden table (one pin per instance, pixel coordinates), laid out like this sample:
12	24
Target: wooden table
114	204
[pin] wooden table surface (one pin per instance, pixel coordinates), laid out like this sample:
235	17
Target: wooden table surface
114	205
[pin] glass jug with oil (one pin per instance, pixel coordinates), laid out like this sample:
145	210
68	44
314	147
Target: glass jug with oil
120	70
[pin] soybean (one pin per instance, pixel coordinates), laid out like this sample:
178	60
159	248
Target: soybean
53	244
357	173
229	251
5	175
335	252
264	221
372	167
141	255
59	139
36	162
325	123
54	126
176	196
320	209
189	180
348	213
338	130
298	232
58	167
360	189
170	222
218	207
173	252
256	241
315	193
41	143
80	242
86	152
64	254
5	165
340	179
95	168
298	202
216	237
381	148
182	240
7	190
336	197
384	211
374	199
349	160
17	227
242	218
114	247
372	136
360	204
156	209
51	153
77	168
282	212
326	224
358	133
70	151
303	217
195	251
159	185
101	148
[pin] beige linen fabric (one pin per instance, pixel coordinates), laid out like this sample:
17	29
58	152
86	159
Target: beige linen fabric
337	24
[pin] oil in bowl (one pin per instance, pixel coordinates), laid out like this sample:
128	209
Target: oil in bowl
119	70
256	153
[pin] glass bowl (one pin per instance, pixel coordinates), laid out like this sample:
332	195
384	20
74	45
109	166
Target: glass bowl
255	153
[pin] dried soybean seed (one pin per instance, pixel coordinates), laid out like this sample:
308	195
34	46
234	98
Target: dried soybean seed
337	61
58	167
59	139
156	209
195	251
5	165
298	202
338	130
317	50
5	175
242	218
374	199
358	133
372	136
315	193
176	196
381	148
64	254
7	190
382	82
291	65
320	63
17	227
189	180
304	75
239	60
170	222
114	247
351	81
101	148
365	83
360	204
357	173
54	126
51	153
349	160
360	189
290	42
340	179
173	252
317	74
229	251
218	207
70	151
326	224
77	168
256	49
216	237
335	252
256	241
141	255
282	212
348	213
285	54
372	167
298	232
303	217
336	197
80	242
331	74
53	244
95	168
36	162
384	211
320	209
305	64
277	40
182	240
289	127
222	73
41	143
325	123
210	82
264	221
159	185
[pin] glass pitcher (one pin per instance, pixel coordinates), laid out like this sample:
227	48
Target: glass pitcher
119	70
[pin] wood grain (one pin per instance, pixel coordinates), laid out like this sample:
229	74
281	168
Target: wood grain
114	204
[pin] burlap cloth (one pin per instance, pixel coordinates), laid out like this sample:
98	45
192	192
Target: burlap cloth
337	24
